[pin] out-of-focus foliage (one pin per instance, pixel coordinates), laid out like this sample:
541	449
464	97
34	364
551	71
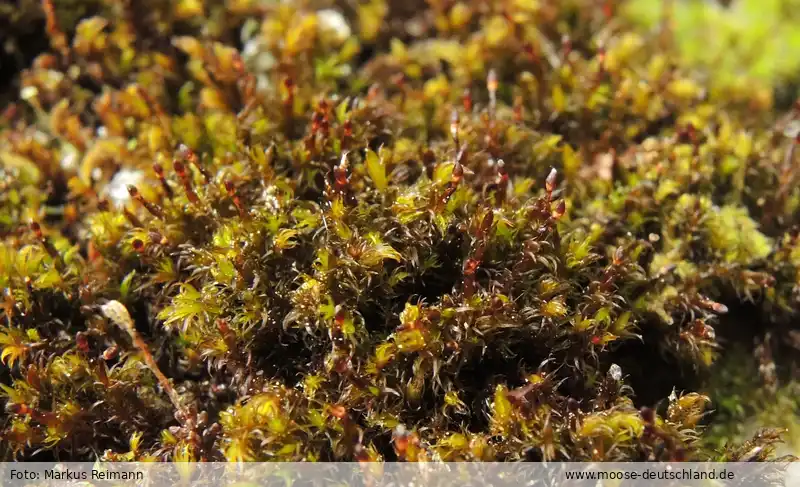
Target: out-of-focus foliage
318	230
737	41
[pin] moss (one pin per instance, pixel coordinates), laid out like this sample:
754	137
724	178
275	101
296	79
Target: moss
746	402
720	35
301	231
736	237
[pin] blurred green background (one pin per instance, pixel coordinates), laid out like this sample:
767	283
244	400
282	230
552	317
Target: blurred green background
737	41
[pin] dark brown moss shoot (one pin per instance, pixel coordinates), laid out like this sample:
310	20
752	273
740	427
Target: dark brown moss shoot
328	230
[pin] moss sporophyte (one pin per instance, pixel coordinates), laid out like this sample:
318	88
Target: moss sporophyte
384	230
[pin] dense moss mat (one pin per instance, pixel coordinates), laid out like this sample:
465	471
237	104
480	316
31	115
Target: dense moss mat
319	230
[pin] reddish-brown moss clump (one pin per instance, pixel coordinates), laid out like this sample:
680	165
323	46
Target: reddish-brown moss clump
439	230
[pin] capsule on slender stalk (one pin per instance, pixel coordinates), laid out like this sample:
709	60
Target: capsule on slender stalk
186	181
188	154
152	208
159	170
